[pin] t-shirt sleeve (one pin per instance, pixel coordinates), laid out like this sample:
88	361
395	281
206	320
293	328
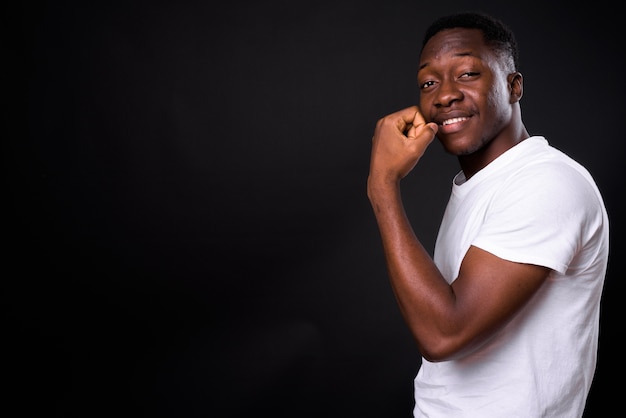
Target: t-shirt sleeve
541	216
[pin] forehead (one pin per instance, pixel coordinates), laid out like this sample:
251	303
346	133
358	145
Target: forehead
454	42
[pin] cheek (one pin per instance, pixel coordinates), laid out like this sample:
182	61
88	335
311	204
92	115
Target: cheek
425	105
494	96
500	111
498	101
501	94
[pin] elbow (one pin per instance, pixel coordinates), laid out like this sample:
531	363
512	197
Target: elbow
441	349
435	355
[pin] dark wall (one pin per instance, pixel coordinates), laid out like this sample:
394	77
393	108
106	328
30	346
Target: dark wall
188	225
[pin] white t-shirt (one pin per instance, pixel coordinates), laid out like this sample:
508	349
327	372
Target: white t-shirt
535	205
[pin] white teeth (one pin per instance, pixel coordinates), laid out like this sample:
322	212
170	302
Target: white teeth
453	120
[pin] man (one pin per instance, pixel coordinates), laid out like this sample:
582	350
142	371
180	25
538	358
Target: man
506	312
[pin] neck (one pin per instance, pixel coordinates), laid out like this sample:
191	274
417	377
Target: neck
473	163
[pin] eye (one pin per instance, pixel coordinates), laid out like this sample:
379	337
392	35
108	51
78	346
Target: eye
426	84
469	74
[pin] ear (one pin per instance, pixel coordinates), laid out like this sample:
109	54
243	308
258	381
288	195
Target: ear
516	86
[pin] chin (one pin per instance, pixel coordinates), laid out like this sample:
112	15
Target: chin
459	148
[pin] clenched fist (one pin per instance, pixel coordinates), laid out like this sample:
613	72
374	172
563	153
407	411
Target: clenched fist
400	139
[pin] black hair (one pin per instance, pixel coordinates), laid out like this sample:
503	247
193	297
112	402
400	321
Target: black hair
495	32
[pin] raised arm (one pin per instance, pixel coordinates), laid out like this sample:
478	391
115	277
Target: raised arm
446	320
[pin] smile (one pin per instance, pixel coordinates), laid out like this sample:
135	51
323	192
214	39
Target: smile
453	120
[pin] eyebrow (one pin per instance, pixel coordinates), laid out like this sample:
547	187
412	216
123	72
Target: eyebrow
458	54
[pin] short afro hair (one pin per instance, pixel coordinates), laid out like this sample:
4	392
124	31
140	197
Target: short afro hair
495	33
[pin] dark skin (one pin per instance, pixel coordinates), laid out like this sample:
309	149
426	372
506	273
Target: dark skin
469	98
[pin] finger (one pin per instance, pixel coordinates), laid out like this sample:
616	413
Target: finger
419	122
405	117
418	118
415	131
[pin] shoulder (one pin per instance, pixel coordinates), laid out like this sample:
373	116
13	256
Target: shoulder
553	177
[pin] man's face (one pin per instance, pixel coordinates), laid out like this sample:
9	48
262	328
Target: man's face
464	89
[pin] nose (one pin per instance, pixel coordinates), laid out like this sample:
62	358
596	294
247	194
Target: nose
447	93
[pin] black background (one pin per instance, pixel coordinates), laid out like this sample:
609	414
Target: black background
188	229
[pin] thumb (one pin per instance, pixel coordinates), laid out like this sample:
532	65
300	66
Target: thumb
423	129
418	120
419	123
433	127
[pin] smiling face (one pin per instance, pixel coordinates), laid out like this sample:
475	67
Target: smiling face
472	92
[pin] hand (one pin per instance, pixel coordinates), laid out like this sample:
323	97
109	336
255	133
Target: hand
400	139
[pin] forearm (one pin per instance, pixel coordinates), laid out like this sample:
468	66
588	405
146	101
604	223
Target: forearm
425	299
